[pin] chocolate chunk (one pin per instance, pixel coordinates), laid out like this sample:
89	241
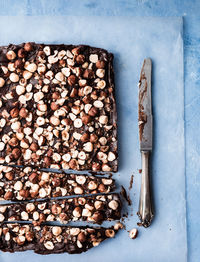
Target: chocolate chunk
50	97
94	209
51	239
29	183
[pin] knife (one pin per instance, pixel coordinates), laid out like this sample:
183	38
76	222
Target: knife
145	122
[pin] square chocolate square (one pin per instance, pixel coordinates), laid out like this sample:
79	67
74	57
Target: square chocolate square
57	107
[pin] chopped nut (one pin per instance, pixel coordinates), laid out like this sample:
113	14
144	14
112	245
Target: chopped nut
56	230
74	231
101	84
113	204
118	226
133	233
2	217
93	58
78	190
59	76
54	120
49	245
111	156
78	123
27	75
24	215
77	212
10	55
86	213
32	67
110	233
7	236
92	185
30	207
18	185
87	90
81	237
98	104
2	82
100	64
14	77
81	180
88	147
29	236
2	146
100	73
71	80
106	168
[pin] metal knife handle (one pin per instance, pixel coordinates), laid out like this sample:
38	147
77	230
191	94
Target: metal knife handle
145	211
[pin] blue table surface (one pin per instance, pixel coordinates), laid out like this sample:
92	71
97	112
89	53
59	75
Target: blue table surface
190	10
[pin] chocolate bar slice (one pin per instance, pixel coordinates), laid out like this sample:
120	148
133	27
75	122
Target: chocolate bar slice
57	107
94	209
52	239
25	183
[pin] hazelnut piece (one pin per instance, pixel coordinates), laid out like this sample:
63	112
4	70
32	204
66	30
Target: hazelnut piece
8	195
97	216
77	212
56	209
74	92
80	59
33	178
24	193
88	74
34	147
54	106
71	80
101	188
28	47
47	161
110	233
10	55
93	138
56	95
14	112
100	64
23	112
14	77
113	204
16	152
84	137
29	236
81	237
9	176
13	141
19	64
21	53
63	217
86	119
2	82
93	111
73	164
56	230
54	120
20	240
133	233
96	167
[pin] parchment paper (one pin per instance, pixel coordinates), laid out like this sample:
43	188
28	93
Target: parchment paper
131	40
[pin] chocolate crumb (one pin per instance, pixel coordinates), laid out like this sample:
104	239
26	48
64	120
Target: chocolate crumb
131	182
125	196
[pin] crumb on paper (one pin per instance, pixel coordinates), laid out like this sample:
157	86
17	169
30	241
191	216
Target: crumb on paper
133	233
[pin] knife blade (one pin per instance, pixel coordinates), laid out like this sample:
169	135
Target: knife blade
145	122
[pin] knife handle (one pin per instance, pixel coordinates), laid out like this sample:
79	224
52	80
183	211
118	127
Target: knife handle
145	212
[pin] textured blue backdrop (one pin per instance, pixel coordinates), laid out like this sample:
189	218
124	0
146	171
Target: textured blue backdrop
190	10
